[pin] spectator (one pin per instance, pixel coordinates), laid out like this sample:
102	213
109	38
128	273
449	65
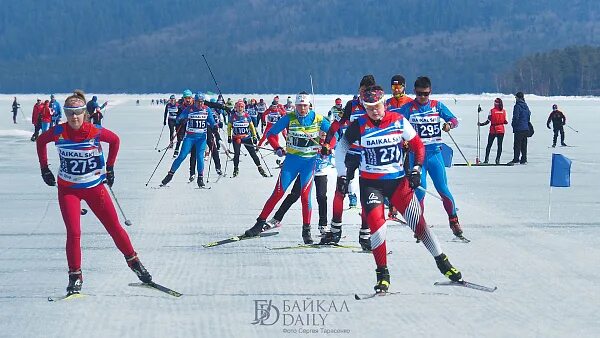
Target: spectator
520	124
497	120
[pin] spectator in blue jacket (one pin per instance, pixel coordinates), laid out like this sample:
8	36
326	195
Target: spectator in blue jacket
56	111
520	125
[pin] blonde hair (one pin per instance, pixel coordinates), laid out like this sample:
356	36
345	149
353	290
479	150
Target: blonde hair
78	95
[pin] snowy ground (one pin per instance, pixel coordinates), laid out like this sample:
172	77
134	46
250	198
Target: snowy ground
545	270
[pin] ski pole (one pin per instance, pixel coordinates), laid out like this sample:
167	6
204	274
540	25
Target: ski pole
430	193
478	135
265	162
572	128
159	137
210	153
173	137
152	175
457	147
22	114
226	161
127	221
211	74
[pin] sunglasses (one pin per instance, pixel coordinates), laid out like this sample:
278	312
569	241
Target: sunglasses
425	94
397	86
70	111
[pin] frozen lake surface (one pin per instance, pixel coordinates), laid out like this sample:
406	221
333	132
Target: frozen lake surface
546	271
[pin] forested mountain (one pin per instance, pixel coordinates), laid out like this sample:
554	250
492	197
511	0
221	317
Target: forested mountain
273	46
568	71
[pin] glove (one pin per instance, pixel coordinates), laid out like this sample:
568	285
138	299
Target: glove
229	139
479	109
164	123
221	125
280	152
342	184
48	177
325	151
446	127
548	126
110	176
254	140
414	179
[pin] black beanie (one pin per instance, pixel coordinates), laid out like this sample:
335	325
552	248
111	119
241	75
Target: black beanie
367	81
398	79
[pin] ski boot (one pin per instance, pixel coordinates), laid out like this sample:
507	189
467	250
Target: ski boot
334	235
262	171
364	239
75	282
256	229
562	144
447	269
236	172
200	182
219	172
167	178
383	279
136	266
353	200
306	237
272	224
192	178
323	227
455	226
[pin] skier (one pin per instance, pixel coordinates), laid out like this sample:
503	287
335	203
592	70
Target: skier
398	99
196	118
56	111
95	110
558	120
269	118
289	105
187	100
240	130
320	180
252	112
36	119
15	109
81	176
425	116
381	133
170	116
346	166
497	120
261	107
302	150
336	110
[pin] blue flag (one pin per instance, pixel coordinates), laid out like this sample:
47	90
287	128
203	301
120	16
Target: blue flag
447	153
560	174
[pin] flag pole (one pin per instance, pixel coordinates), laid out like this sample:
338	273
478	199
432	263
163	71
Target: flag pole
549	203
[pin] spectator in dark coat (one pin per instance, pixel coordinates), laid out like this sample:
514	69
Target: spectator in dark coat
520	125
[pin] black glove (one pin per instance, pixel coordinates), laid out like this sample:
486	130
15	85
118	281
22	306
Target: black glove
110	176
414	179
548	126
325	151
229	139
164	123
254	140
221	125
48	177
342	185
